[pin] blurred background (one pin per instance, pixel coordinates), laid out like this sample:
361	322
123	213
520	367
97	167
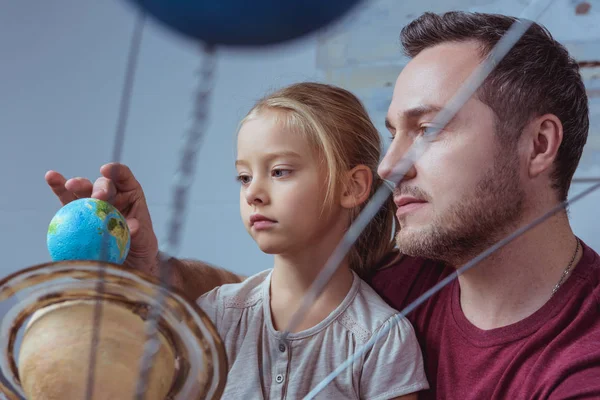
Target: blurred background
62	66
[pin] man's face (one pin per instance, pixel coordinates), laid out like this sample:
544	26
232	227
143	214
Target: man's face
465	192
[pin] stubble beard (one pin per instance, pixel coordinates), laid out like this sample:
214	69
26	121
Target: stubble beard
481	218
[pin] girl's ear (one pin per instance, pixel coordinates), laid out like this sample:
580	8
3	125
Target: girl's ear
357	186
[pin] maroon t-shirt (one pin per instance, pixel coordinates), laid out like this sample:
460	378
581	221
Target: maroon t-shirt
552	354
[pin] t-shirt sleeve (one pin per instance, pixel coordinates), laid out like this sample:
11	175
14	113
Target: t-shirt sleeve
210	303
394	365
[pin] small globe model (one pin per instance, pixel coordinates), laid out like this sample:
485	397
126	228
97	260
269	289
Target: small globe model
88	229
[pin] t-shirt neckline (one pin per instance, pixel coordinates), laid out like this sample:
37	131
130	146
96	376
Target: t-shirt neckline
315	329
521	329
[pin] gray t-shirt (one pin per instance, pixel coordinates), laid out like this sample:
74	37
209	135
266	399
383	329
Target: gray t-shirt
261	366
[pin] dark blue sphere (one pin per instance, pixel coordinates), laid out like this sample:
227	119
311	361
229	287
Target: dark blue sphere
246	22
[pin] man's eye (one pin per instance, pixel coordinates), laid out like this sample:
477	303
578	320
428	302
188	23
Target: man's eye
429	131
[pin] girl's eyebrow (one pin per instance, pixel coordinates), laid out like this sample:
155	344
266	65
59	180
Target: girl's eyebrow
273	155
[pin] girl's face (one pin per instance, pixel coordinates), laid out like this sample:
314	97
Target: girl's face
283	188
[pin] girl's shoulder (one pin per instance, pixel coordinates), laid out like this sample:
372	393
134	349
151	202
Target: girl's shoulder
367	313
237	295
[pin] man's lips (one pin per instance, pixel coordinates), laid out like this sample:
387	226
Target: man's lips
402	201
406	204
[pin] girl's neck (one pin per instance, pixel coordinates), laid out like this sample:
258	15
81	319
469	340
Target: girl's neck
291	279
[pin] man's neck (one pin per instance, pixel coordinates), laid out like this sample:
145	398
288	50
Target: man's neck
518	280
290	281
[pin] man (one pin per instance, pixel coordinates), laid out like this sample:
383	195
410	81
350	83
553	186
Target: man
522	324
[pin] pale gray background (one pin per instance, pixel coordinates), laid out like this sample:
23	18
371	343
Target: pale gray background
61	72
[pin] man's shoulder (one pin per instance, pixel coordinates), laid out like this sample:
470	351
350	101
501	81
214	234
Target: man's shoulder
589	273
396	265
572	360
401	278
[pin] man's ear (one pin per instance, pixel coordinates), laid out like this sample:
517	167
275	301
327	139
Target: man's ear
544	135
357	186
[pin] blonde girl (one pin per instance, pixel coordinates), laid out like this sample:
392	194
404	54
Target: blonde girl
306	162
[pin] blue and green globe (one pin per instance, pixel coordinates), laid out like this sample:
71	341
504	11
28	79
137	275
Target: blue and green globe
88	229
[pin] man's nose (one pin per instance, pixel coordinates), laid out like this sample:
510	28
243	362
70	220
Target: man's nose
395	166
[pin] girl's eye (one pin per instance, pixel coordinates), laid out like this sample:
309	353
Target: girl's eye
279	173
243	179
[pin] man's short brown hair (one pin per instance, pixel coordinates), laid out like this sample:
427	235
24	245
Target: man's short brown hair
536	77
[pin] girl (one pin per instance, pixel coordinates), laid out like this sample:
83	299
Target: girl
306	162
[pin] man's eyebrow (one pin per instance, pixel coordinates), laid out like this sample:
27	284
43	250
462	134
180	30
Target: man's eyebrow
273	155
419	111
413	113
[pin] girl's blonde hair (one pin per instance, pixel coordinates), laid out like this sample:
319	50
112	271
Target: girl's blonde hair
337	125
